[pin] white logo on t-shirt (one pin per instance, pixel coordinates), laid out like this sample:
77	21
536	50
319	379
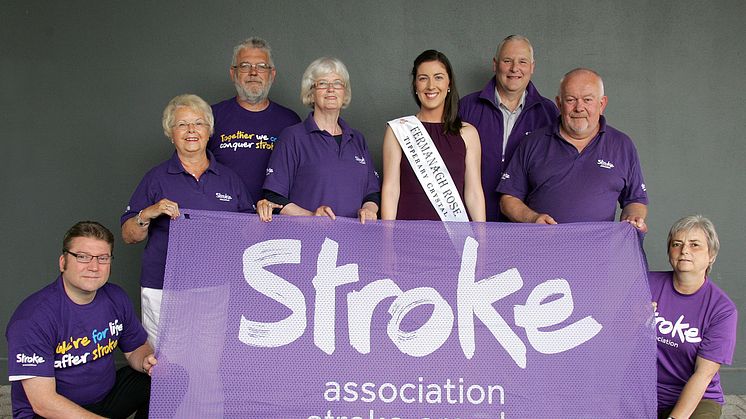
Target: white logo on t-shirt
29	361
605	164
223	197
678	329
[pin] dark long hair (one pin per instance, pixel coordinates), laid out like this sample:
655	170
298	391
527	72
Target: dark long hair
451	120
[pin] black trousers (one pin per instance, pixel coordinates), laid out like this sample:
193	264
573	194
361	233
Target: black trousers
130	394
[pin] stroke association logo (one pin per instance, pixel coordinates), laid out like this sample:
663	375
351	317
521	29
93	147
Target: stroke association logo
29	361
223	197
669	331
479	297
605	164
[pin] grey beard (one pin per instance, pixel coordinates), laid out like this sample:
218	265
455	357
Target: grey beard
252	98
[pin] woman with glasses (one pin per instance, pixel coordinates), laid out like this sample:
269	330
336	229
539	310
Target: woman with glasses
322	166
191	178
695	323
444	150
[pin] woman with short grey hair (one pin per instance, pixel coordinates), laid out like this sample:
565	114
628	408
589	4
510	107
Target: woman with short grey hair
322	166
695	323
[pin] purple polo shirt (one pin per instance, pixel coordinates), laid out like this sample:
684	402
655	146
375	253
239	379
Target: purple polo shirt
687	326
549	175
481	110
243	140
310	169
218	189
51	336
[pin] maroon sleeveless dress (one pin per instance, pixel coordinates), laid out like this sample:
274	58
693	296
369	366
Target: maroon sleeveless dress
413	201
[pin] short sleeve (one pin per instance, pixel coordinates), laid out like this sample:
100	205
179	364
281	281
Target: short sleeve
719	339
31	349
139	200
635	190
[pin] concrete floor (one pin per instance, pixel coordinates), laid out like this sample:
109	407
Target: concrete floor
735	407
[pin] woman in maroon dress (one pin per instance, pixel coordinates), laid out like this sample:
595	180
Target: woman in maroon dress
434	90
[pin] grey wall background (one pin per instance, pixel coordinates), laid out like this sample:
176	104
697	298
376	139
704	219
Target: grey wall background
83	85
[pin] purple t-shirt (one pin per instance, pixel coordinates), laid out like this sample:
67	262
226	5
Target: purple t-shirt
687	326
51	336
310	169
480	110
218	189
243	140
549	175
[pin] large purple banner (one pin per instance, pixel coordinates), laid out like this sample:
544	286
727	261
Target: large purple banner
306	317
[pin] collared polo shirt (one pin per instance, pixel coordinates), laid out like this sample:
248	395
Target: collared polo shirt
311	169
550	176
218	189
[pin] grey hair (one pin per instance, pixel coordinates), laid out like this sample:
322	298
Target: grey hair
698	221
321	67
253	42
581	70
190	101
514	38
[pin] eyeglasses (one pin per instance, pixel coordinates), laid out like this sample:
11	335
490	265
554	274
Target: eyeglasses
184	125
86	258
324	84
246	67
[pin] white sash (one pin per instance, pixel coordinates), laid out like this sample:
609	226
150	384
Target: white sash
429	168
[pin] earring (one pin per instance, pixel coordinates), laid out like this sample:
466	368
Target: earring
449	91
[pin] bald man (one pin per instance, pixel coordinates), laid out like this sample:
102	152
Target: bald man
578	168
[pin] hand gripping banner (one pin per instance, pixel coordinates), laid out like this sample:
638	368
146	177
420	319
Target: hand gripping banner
311	318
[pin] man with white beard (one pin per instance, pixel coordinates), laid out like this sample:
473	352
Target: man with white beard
247	125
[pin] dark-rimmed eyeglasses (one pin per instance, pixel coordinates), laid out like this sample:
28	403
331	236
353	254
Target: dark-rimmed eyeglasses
86	258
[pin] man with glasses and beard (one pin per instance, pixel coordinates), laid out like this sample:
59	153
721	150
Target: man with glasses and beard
247	126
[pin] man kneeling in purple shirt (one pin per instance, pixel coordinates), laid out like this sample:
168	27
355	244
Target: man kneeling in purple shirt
578	168
61	339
